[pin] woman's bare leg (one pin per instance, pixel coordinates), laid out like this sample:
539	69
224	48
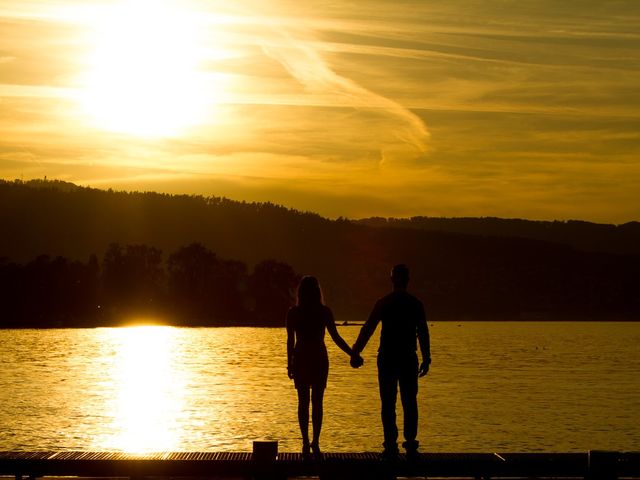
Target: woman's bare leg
317	396
303	414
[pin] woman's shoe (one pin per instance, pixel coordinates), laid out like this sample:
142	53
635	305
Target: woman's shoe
315	448
306	450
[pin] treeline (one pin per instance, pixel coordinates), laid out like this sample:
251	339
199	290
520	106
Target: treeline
588	236
192	287
485	275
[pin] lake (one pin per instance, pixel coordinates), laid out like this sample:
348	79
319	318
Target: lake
493	386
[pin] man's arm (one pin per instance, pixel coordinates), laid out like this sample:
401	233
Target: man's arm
424	341
367	329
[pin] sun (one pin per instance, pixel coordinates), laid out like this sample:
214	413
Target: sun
143	76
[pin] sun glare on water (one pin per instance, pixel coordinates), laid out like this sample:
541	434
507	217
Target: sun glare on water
150	391
143	74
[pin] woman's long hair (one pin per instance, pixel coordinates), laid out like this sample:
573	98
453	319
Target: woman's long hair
309	292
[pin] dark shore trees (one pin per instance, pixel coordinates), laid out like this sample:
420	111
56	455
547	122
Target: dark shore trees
49	292
196	287
273	286
205	288
132	280
476	269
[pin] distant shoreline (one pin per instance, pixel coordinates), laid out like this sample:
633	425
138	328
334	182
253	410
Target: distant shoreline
349	324
74	256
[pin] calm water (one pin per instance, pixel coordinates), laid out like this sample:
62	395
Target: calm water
493	387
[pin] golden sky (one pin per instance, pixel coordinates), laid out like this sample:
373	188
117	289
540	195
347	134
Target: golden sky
511	108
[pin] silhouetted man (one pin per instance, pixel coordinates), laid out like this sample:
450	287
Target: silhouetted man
403	319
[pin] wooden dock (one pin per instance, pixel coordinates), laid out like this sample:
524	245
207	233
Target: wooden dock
591	465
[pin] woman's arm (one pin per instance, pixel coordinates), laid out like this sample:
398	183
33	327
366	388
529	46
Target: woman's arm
290	344
333	331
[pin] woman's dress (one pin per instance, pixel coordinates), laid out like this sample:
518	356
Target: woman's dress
310	359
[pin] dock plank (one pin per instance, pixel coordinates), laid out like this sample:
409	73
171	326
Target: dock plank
288	464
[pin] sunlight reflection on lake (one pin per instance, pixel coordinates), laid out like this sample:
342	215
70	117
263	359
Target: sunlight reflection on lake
149	390
493	387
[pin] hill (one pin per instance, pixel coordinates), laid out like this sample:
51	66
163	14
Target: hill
459	275
587	236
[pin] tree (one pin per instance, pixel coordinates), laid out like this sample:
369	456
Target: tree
273	285
132	279
205	289
190	271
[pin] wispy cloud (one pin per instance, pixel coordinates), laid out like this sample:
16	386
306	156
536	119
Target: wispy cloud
531	106
306	65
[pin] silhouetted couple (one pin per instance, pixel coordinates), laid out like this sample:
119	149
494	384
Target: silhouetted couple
403	320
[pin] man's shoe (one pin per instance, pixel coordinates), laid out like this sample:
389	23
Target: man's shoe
410	445
413	454
389	454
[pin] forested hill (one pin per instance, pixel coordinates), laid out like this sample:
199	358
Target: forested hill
458	275
588	236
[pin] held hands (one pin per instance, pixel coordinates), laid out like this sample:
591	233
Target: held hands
356	360
424	369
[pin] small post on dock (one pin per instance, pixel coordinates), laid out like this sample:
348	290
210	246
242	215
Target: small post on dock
263	460
602	465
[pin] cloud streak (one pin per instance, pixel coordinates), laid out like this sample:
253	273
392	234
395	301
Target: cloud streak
531	106
307	66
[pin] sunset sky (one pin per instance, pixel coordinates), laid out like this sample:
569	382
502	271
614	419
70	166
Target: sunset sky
510	108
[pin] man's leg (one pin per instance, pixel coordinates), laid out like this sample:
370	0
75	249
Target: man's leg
388	383
409	397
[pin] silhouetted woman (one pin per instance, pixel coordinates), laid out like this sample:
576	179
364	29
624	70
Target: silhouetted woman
308	363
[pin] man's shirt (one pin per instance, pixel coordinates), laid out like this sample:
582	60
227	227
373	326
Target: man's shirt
403	320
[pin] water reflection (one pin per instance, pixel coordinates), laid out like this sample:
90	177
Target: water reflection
149	390
550	387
